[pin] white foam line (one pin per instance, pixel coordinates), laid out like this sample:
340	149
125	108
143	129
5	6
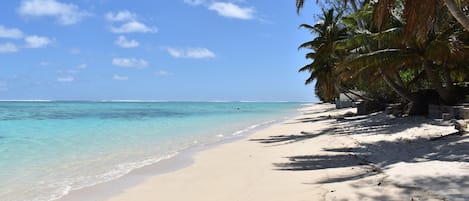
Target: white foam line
115	173
252	127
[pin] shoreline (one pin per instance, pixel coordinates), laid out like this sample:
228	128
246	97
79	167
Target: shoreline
316	155
191	159
182	159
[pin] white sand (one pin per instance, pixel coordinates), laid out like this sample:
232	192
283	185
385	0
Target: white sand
315	157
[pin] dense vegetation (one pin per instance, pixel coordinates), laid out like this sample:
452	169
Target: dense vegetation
414	52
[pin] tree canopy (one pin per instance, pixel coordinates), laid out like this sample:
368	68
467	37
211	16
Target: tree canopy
410	51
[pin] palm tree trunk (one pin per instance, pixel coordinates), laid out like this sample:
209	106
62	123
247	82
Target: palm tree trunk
457	13
403	92
445	93
449	82
354	6
399	79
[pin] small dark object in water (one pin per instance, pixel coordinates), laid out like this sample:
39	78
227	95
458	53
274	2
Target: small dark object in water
379	184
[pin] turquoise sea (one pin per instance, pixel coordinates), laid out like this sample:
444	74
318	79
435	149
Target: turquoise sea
48	149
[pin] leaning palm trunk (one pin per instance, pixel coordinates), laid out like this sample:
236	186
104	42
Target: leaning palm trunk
447	94
401	91
457	13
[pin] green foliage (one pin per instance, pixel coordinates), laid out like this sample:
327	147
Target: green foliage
324	54
393	46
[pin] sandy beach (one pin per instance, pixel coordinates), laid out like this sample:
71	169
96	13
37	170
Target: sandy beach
234	100
321	155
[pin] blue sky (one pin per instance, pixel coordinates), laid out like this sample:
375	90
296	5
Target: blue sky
199	50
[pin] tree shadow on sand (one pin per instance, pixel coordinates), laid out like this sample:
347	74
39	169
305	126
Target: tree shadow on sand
366	125
443	188
377	123
375	157
383	154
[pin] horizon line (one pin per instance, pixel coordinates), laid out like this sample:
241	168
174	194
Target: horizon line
155	101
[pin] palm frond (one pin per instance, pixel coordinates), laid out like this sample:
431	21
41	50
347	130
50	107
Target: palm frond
299	5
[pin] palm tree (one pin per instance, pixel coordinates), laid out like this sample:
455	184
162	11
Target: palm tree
324	54
420	5
374	53
440	55
457	13
422	39
300	4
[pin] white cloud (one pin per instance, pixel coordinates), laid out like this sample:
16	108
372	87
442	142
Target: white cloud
193	53
194	2
232	10
82	66
32	41
36	41
129	62
133	26
177	53
130	24
10	33
8	48
120	77
120	16
66	79
66	13
123	42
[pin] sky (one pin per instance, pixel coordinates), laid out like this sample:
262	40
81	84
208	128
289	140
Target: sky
172	50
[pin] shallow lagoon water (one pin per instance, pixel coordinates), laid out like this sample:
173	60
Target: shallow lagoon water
48	149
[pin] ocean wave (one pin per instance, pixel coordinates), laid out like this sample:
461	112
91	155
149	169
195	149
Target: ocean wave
63	188
245	130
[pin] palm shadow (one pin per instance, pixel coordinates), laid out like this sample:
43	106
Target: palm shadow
375	157
377	124
384	154
441	189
